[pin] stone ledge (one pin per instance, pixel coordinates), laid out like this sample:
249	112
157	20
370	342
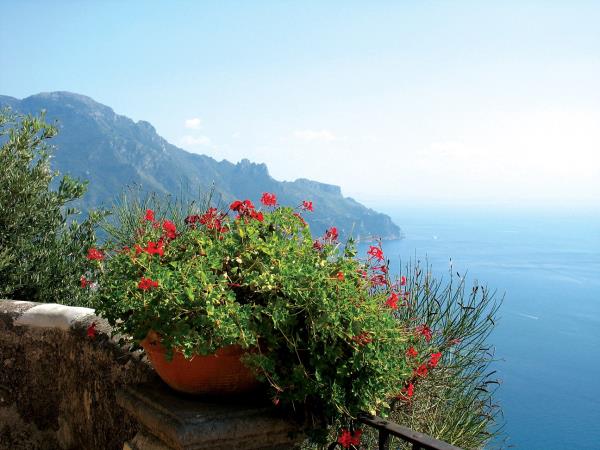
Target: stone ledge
12	309
181	422
17	313
53	315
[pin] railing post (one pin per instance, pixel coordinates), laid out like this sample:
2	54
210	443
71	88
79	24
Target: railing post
386	429
384	440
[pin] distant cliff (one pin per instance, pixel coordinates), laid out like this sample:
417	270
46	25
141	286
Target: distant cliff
112	151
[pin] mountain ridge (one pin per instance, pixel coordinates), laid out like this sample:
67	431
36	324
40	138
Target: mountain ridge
112	151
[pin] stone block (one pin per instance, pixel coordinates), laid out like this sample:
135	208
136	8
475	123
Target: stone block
181	422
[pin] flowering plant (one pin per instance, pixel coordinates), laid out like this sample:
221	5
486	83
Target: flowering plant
322	323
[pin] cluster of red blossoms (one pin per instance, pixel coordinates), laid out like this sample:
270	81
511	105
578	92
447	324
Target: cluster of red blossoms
424	331
153	248
95	254
331	236
91	330
379	278
169	228
348	438
246	210
420	371
268	199
211	219
307	206
147	283
85	282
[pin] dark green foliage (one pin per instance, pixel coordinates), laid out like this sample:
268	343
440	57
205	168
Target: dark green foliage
42	250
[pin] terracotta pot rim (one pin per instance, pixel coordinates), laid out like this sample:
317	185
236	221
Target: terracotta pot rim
219	373
153	339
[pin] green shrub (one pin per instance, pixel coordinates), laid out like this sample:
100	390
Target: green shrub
42	249
323	322
455	401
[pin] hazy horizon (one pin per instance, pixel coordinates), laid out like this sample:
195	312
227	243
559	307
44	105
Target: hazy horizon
406	104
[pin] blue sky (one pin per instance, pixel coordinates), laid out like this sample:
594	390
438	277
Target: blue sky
433	103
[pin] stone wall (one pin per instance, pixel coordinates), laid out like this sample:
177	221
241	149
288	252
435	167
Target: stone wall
57	384
65	387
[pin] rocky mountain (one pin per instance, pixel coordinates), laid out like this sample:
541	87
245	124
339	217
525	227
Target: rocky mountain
112	151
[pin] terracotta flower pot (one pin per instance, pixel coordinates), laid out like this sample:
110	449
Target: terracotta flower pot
221	373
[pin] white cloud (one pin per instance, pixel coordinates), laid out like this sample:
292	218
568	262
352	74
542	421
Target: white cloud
315	135
193	141
194	123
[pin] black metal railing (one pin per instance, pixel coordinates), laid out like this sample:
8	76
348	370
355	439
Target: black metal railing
418	440
387	429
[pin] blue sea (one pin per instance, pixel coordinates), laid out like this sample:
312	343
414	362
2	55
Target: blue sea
547	266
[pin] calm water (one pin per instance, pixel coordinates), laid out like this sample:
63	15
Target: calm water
548	336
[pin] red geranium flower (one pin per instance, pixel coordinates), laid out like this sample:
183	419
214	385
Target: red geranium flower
411	352
169	229
356	438
406	393
95	254
375	252
257	215
424	330
147	283
211	219
208	216
421	371
236	206
340	276
383	269
155	248
91	330
268	199
392	301
402	280
345	439
348	439
307	206
192	219
434	359
84	282
246	209
332	234
149	215
378	280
